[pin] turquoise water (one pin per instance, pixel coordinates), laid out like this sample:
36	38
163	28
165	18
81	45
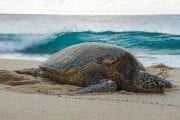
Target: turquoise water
137	42
153	39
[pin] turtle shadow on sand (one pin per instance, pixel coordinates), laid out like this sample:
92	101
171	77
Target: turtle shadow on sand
91	67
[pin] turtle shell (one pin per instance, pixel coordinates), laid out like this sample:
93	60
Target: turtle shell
91	61
81	54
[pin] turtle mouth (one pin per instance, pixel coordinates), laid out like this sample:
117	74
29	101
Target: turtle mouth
162	83
159	85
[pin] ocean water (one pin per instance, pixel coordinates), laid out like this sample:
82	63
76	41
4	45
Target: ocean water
152	39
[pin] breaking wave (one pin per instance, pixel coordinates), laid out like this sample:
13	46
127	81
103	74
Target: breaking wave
136	41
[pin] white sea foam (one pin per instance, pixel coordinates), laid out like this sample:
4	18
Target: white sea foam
170	60
21	42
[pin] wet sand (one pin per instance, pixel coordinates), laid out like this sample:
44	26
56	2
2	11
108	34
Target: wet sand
27	102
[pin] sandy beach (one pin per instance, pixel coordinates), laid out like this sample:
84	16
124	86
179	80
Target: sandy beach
89	59
43	100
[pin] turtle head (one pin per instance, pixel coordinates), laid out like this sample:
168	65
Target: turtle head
147	82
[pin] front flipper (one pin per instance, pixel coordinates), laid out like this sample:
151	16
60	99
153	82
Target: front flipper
105	86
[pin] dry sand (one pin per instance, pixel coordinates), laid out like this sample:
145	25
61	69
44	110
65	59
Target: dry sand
11	64
16	104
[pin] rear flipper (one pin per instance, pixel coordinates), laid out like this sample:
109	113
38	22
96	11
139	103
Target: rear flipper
35	72
14	79
106	86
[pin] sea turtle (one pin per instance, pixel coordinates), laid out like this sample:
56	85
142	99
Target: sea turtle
99	67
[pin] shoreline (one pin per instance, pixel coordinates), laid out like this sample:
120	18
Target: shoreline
17	104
